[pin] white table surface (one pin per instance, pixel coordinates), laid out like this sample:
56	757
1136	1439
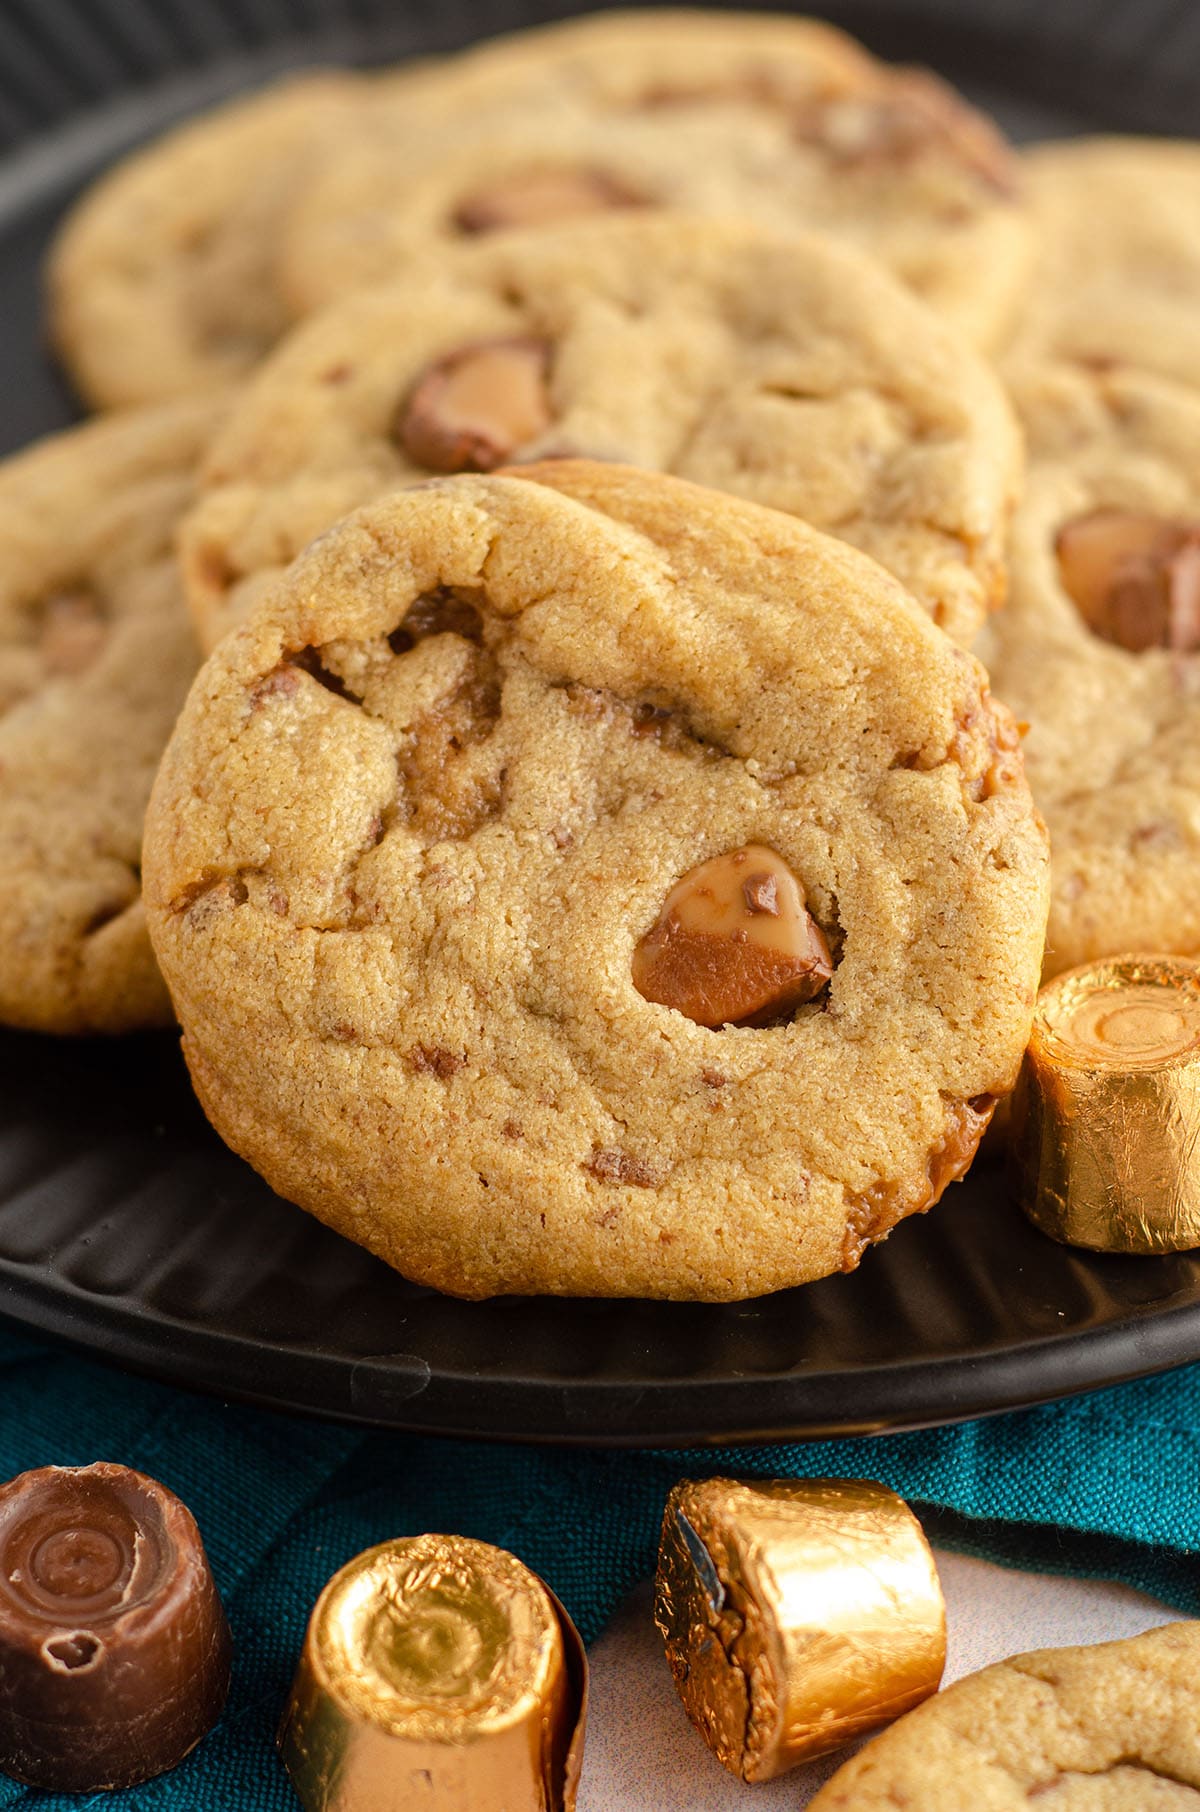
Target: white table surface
643	1755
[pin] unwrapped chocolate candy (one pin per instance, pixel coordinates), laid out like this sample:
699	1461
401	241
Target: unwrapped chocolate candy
114	1649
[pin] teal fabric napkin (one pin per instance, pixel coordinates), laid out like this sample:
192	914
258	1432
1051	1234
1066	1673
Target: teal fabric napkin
1104	1485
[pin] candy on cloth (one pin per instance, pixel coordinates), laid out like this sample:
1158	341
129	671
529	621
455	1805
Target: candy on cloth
437	1670
797	1614
282	1501
114	1649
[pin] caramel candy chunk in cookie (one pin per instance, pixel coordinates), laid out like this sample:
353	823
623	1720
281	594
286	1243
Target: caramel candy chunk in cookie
1098	650
915	112
474	408
484	736
1135	578
723	114
734	944
536	198
772	365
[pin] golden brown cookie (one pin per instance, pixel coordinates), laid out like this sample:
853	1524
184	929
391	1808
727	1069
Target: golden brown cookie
776	366
1117	280
162	279
1099	651
96	655
1114	1728
781	118
427	874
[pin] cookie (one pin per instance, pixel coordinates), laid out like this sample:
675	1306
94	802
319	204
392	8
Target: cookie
1118	273
161	282
775	366
1111	1728
583	882
785	119
1099	651
96	655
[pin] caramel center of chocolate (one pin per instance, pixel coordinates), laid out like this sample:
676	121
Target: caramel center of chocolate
78	1563
734	943
1134	578
473	409
534	198
76	1546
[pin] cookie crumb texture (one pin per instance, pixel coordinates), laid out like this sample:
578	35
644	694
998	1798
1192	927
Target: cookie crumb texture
1112	1728
419	811
96	656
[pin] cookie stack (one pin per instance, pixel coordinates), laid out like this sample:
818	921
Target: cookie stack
588	859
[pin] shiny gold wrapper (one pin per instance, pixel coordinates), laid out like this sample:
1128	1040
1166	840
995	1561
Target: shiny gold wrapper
437	1673
797	1614
1106	1115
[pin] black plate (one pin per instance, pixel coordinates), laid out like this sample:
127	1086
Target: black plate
126	1226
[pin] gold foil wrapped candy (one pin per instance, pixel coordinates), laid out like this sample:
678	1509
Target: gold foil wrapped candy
797	1614
437	1674
1106	1115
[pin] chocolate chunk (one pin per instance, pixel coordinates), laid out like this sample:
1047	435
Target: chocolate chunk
734	943
1134	577
913	113
474	409
761	893
534	198
114	1649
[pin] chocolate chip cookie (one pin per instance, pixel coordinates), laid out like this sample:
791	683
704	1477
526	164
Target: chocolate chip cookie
577	881
162	280
785	119
1099	650
96	654
1111	1728
776	366
1118	270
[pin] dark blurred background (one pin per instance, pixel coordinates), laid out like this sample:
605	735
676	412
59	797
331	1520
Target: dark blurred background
1040	57
83	80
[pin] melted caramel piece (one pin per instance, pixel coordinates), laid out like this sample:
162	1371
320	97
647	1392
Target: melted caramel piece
915	112
1134	577
734	943
534	198
473	409
72	633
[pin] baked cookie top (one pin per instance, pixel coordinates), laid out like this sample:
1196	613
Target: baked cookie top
776	366
162	278
96	655
1099	650
1117	279
785	119
430	874
1111	1728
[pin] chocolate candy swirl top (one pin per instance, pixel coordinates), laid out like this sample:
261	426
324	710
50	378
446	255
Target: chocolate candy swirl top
114	1650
